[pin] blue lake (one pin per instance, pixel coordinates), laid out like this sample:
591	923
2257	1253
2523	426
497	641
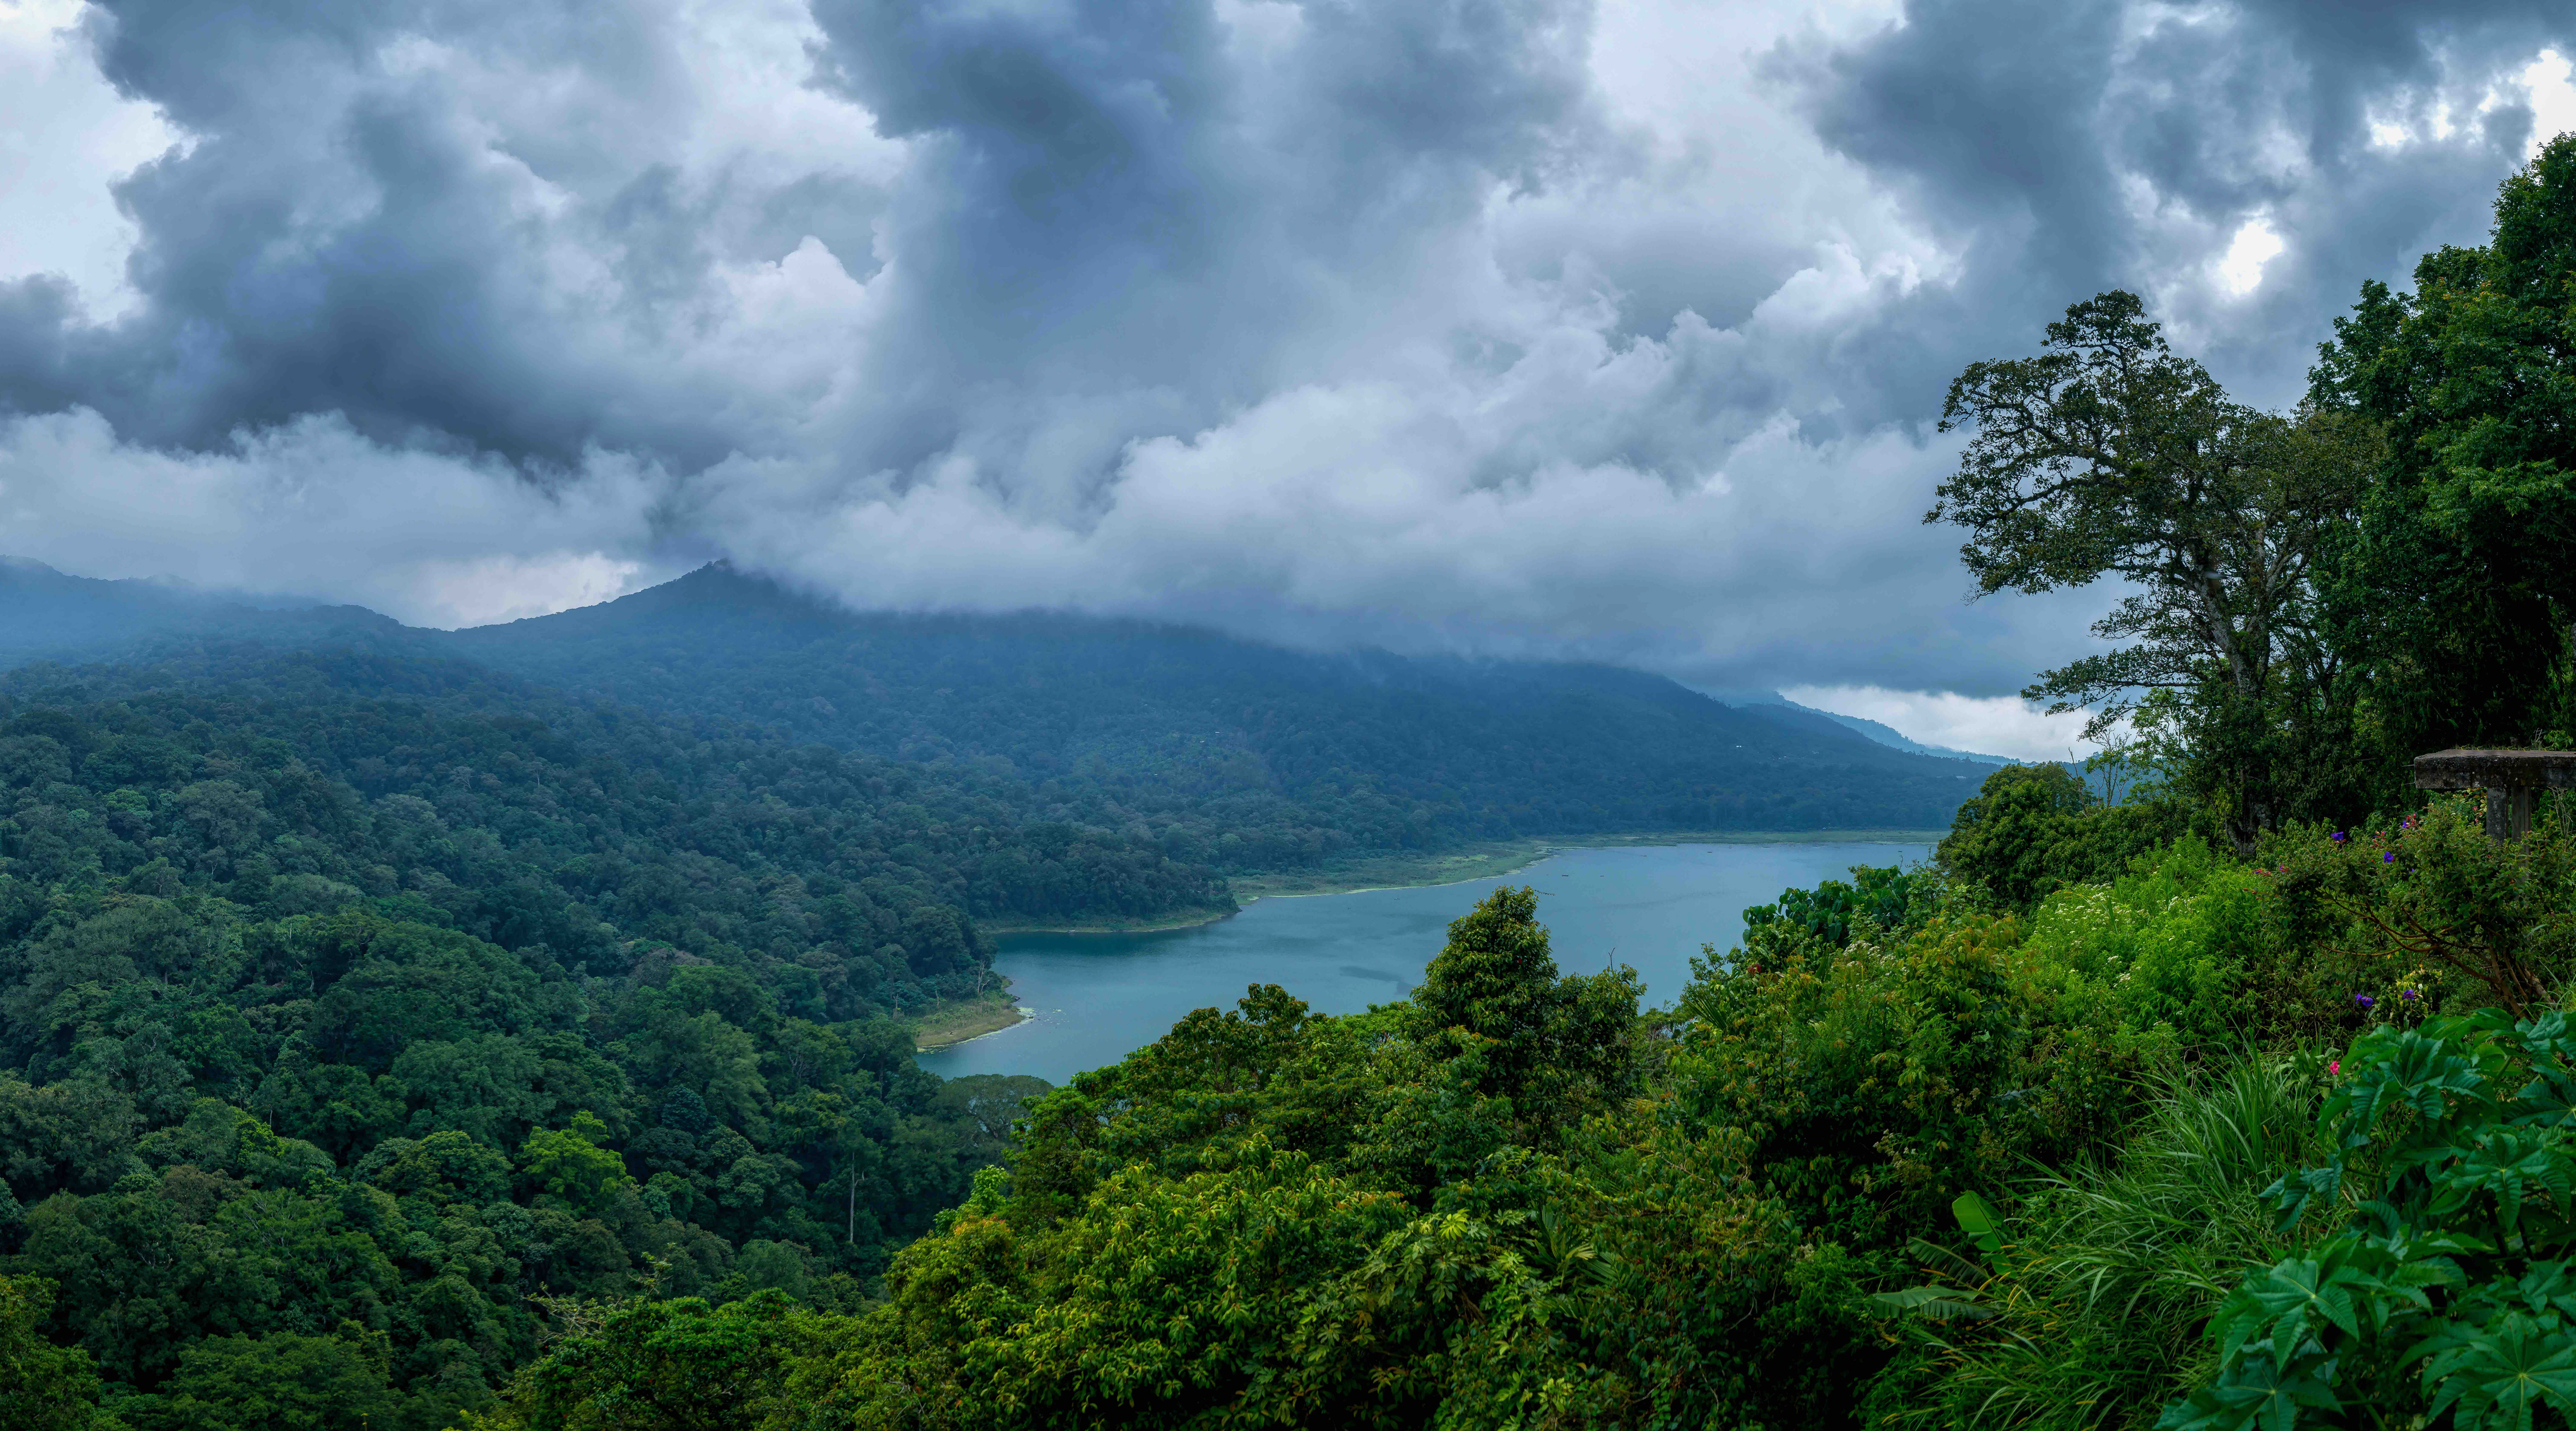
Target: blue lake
1100	997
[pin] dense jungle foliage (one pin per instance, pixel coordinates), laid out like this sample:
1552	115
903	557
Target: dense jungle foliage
1908	1155
359	997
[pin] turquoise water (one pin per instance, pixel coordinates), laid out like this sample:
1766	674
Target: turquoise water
1100	997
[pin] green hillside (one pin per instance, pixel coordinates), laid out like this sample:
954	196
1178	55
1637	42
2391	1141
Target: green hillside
1227	753
355	991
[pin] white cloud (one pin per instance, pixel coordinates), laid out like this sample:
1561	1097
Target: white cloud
2551	85
2240	269
1458	506
2547	84
1995	725
65	135
314	508
486	590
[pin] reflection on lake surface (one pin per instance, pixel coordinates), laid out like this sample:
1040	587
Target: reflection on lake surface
1099	997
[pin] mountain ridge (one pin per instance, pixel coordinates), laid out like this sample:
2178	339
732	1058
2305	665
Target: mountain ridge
1236	752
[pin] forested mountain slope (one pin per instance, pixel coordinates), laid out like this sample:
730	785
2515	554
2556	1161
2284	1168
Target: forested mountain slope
1245	754
716	834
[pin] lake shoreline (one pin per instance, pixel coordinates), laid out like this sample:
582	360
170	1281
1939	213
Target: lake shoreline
1508	857
1652	907
1489	860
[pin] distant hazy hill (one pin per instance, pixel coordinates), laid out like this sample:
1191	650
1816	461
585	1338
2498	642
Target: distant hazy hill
1774	704
1223	751
45	614
1887	735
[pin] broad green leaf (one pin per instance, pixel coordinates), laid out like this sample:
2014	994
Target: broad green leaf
2499	1377
2254	1393
1933	1302
1979	1221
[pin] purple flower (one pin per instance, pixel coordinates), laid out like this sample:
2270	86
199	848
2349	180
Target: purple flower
2338	837
2389	858
2406	993
2364	1000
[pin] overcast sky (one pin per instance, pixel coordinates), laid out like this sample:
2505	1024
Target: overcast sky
1538	327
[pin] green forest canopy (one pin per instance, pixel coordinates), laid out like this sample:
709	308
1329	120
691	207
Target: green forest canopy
351	999
342	993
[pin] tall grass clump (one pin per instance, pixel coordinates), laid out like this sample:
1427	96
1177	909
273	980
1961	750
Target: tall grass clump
2084	1308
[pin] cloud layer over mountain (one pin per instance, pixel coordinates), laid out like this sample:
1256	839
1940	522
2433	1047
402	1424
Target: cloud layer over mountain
1530	326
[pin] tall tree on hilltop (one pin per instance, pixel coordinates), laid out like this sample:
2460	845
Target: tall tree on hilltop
1549	1042
2106	454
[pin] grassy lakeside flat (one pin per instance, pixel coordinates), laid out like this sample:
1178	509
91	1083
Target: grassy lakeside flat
961	1019
1501	857
1397	871
1183	919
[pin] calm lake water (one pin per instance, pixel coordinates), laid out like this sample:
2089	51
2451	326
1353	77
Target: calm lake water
1100	997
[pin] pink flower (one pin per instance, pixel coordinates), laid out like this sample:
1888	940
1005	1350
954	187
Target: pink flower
2335	1067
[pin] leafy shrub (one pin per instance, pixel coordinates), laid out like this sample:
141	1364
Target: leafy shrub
1887	898
2441	1281
1880	1080
641	1365
1866	1077
2173	945
2035	829
2434	906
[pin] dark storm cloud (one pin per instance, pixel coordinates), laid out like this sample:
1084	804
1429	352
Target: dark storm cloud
1503	324
2058	143
1108	197
341	237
